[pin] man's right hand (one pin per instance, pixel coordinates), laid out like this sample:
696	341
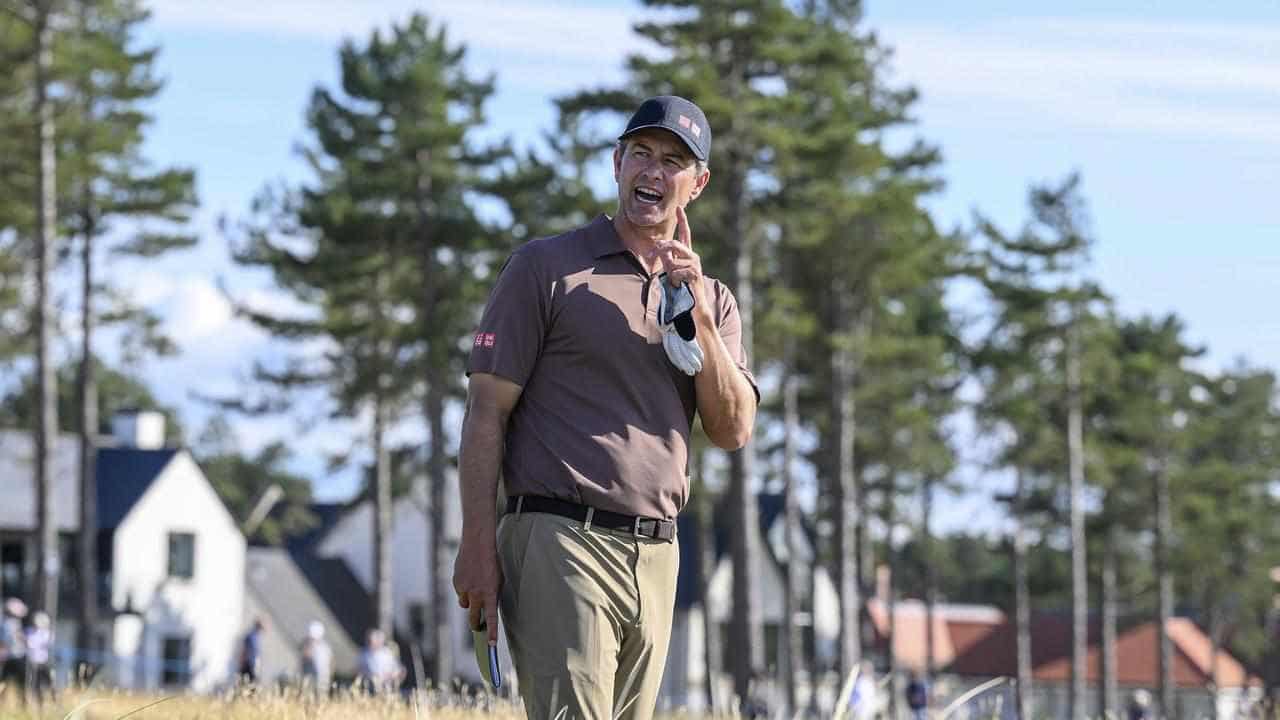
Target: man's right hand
477	576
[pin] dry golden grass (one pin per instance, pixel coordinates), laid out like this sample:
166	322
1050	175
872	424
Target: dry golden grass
108	705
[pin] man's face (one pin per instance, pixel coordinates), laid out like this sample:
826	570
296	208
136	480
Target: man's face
655	173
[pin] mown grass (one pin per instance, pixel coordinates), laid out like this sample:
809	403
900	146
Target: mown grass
114	705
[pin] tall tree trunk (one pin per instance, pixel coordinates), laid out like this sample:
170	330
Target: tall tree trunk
713	649
747	632
439	577
1215	643
846	503
382	509
1022	602
1164	596
1109	695
87	392
792	644
86	389
46	430
890	600
442	553
930	582
1079	576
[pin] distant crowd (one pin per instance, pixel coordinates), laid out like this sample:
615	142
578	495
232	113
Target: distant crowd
380	669
25	640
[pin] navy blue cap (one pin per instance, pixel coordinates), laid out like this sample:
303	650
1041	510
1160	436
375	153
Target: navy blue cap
678	115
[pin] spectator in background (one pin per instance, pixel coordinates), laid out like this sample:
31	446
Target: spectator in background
917	696
317	660
39	638
13	646
864	701
380	669
1139	705
251	653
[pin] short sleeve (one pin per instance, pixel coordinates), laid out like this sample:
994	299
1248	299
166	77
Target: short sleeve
514	324
729	324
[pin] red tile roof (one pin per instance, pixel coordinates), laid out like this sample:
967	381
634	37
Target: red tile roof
992	653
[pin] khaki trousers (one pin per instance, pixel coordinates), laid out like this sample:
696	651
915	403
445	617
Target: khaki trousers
587	614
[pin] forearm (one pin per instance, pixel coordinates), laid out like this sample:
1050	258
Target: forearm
726	400
479	465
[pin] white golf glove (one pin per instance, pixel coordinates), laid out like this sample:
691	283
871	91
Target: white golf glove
675	319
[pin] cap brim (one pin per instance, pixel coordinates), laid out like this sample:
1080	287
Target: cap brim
658	126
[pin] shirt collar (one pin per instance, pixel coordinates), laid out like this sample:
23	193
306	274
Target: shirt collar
604	237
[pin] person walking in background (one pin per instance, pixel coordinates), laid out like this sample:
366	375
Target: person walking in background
596	349
251	653
39	640
380	668
1139	705
317	660
917	696
864	698
13	647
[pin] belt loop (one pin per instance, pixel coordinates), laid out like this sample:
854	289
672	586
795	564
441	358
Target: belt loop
519	504
591	512
635	529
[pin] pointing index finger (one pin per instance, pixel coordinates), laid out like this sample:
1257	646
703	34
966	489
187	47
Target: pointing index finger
682	228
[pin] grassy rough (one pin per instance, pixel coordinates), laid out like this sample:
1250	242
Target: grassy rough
107	705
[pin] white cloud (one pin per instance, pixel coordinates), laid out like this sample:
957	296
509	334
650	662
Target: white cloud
1172	79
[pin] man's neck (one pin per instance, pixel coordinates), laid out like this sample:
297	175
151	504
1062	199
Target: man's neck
641	240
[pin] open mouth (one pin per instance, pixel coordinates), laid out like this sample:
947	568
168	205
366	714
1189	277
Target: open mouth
648	196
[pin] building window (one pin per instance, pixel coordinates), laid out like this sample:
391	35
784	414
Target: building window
12	573
418	621
176	670
182	555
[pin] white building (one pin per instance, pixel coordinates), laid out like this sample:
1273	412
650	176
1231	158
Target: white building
171	557
351	540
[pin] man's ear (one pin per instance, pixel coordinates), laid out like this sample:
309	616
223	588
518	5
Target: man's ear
617	162
699	184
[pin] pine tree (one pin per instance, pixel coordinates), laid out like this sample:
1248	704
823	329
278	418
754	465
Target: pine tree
108	79
719	55
1037	335
393	238
863	243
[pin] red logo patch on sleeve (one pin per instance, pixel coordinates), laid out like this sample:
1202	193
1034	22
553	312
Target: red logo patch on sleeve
489	340
479	339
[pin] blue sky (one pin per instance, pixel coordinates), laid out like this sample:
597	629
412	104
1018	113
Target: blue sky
1170	110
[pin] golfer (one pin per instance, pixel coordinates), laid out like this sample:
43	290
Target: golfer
585	375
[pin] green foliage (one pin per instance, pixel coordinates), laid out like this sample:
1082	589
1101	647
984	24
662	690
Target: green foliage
241	481
117	391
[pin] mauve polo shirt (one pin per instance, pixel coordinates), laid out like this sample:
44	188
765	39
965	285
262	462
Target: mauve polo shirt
604	417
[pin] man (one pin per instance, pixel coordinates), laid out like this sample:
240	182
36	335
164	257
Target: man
585	404
13	647
251	653
317	661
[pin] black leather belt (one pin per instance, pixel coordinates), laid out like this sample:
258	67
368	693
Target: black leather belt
654	528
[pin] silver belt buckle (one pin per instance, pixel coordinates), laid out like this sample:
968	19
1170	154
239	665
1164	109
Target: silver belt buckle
636	529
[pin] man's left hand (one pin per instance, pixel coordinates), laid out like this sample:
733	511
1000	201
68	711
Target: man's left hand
684	267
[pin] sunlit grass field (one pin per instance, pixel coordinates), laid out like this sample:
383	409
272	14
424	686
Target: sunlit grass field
109	705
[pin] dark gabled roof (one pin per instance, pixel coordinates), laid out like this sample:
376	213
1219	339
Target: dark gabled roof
327	515
348	601
124	475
